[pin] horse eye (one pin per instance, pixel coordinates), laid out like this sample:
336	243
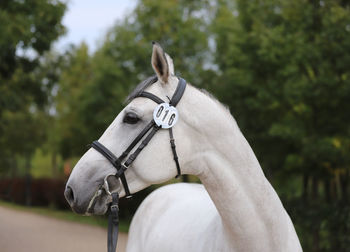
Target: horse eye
131	118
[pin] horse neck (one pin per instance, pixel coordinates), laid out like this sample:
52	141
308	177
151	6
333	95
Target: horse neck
226	165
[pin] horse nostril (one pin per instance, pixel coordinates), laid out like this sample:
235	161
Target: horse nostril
69	195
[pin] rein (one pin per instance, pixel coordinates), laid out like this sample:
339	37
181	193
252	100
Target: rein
164	117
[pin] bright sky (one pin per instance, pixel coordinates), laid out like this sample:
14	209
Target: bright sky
89	20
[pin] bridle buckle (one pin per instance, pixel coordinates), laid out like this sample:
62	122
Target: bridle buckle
114	208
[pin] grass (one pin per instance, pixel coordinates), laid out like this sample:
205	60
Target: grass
100	221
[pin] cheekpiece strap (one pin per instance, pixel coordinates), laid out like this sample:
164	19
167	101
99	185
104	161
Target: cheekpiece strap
136	140
113	223
180	89
173	149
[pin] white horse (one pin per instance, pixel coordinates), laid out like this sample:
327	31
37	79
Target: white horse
236	208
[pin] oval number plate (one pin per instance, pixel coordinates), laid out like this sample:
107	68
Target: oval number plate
165	115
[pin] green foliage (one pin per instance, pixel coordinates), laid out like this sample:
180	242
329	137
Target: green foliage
41	164
76	74
93	89
321	226
27	29
284	73
281	66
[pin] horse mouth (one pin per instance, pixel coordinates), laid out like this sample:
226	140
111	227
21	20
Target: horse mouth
100	201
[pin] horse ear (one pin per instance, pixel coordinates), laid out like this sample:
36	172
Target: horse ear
160	63
170	64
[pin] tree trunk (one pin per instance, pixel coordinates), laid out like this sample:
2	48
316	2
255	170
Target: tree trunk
314	188
305	186
54	164
334	192
327	190
28	191
316	232
344	183
13	177
316	240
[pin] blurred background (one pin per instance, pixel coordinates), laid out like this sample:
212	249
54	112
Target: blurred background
281	66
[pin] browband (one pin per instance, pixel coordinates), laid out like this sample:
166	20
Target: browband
153	97
180	89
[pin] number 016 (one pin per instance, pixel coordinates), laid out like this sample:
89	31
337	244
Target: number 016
165	115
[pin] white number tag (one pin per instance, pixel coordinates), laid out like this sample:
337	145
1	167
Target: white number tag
165	115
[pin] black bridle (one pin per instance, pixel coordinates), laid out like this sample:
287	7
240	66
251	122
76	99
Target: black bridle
118	162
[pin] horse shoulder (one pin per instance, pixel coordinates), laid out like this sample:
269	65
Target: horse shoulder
176	217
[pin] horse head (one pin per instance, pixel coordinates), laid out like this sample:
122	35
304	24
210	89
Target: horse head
93	173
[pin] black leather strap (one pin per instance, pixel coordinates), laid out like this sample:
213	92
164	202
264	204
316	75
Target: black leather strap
143	144
114	161
106	153
136	140
180	89
153	97
113	223
173	149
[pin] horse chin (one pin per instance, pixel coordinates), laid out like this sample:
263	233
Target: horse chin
99	203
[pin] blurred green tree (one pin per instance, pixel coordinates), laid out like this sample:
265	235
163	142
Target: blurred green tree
284	73
280	65
76	73
27	30
93	89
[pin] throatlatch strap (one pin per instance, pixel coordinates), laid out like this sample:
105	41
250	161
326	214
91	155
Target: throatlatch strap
173	148
113	223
